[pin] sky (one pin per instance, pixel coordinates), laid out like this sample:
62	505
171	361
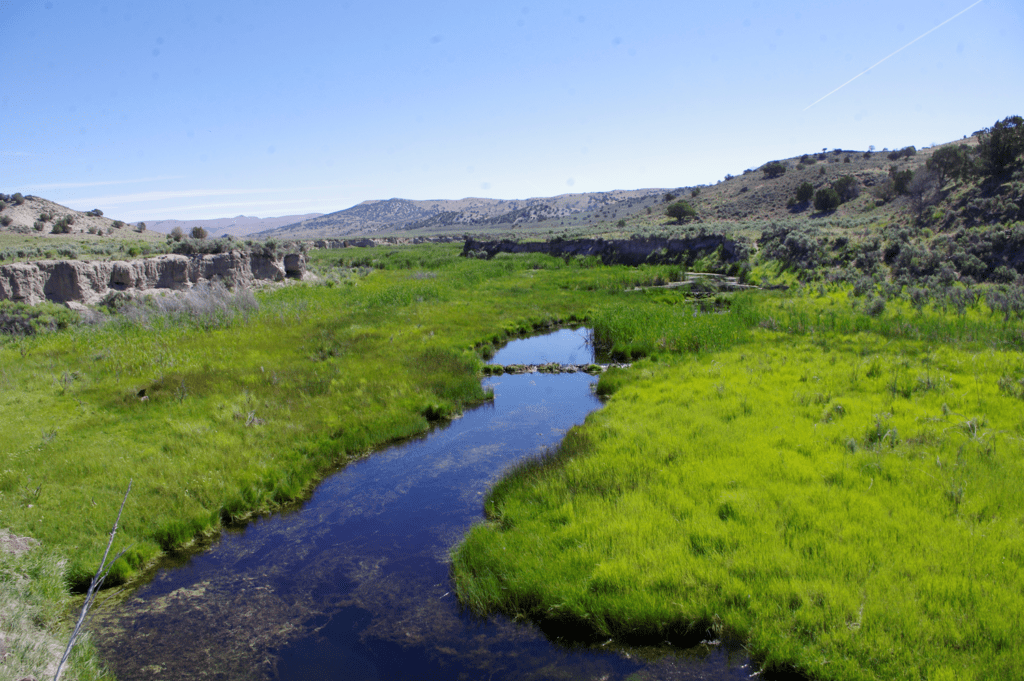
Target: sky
193	110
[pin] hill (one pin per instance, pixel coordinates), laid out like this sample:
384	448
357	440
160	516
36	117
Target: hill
32	215
33	228
394	216
740	204
238	226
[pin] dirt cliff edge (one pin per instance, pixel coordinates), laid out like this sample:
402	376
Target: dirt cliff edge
87	282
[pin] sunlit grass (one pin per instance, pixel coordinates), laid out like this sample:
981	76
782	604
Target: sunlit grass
833	486
217	417
844	501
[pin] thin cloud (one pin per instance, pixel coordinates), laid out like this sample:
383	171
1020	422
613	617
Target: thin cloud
104	183
261	209
146	197
896	52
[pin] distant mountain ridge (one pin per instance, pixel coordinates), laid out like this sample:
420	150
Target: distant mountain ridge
238	226
405	214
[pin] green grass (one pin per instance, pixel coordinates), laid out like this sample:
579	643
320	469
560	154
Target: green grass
328	371
245	411
838	492
33	602
850	472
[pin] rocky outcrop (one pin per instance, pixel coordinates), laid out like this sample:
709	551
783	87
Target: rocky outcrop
75	281
617	251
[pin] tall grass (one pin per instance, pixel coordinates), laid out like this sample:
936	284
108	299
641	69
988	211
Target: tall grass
836	494
33	602
221	405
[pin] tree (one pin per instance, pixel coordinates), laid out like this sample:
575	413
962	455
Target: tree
804	192
177	234
904	152
682	211
141	227
774	169
96	212
199	233
826	200
952	161
999	147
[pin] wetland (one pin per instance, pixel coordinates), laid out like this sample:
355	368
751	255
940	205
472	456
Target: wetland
823	477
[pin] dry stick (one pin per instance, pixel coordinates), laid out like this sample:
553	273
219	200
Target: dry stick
94	586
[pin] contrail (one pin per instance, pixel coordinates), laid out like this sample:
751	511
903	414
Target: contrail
897	52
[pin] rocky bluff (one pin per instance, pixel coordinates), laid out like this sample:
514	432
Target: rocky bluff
87	282
654	250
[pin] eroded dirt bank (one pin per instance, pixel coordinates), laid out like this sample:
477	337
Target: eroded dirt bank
88	282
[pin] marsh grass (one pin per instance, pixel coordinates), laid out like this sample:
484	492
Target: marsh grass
839	491
163	391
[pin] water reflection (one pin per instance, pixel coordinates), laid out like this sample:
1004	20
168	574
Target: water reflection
566	346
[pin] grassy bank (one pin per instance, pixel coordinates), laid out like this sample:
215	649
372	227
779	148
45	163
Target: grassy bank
838	490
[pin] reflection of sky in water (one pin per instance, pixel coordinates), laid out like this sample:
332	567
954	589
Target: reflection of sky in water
567	346
354	584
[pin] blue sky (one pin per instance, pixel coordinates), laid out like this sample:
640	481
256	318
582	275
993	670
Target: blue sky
191	110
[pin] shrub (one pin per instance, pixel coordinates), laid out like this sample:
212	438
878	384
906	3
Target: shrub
846	187
901	179
199	233
826	200
118	224
695	192
18	198
774	169
177	234
6	220
96	212
62	226
141	227
804	192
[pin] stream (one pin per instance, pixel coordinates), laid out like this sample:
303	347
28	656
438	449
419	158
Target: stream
354	583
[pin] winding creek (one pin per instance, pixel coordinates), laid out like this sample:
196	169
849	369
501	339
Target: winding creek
354	583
